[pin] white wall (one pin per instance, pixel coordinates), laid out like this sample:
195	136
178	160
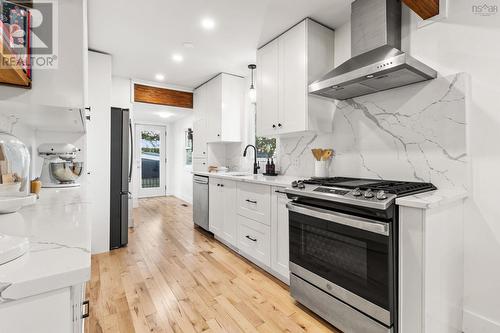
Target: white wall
181	178
465	42
99	149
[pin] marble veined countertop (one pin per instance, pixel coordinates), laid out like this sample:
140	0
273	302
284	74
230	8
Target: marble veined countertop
59	254
434	199
282	181
426	200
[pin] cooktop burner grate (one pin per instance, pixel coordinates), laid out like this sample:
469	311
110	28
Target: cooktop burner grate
400	188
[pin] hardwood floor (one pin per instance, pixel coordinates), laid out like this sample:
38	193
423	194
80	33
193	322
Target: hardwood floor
175	278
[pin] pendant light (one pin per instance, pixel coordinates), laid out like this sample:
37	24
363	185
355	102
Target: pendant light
252	93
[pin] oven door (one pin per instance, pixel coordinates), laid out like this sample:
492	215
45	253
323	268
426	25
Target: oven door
349	257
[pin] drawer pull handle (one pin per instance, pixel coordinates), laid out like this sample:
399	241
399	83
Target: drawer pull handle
86	305
252	239
251	201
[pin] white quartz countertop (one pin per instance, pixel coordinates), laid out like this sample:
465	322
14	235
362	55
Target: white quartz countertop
433	199
59	255
426	200
282	181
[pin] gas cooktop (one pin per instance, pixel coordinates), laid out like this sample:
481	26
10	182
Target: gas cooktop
373	193
400	188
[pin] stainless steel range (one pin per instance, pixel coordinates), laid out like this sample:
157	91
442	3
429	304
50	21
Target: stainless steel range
344	249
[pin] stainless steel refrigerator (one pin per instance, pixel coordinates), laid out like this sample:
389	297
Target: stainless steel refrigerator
121	173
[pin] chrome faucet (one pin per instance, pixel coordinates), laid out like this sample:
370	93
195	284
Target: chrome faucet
256	167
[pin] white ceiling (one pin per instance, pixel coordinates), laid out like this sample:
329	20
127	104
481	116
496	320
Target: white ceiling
142	35
150	113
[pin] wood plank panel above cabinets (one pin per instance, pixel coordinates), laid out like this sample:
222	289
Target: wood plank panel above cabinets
424	8
163	96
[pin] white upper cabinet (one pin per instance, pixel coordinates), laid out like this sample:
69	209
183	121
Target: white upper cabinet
267	85
285	68
218	106
199	125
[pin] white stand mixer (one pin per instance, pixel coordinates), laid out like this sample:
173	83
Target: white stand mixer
59	168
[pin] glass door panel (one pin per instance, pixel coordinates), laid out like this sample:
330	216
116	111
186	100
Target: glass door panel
152	160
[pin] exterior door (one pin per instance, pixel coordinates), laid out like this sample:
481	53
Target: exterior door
151	152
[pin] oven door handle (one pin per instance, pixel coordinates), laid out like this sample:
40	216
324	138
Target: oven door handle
378	227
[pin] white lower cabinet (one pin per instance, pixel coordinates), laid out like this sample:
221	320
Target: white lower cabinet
222	209
280	255
254	240
254	202
253	219
58	311
230	225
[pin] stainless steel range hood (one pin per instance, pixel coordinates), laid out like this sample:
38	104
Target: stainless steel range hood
377	62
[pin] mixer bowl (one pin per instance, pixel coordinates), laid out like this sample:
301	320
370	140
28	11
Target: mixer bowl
66	172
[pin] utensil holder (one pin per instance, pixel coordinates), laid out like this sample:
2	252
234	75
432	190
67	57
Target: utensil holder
321	169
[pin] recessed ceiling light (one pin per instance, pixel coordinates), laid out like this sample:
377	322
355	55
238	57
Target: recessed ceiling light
164	115
159	77
188	45
208	23
177	57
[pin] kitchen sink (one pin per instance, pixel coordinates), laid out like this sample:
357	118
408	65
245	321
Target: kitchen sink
12	247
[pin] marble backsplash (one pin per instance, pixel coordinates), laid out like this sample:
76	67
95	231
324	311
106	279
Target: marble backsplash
415	133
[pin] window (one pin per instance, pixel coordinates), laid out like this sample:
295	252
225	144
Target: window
266	147
189	147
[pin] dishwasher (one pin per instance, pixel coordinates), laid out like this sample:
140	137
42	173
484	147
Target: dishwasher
200	201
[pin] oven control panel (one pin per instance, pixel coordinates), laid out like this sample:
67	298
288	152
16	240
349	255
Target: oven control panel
358	197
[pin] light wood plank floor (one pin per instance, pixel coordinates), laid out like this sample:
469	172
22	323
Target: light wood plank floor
175	278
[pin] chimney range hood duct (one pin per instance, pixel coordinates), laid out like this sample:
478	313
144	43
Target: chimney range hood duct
377	62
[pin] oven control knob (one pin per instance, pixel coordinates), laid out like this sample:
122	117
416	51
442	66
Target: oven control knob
301	185
381	195
368	194
356	192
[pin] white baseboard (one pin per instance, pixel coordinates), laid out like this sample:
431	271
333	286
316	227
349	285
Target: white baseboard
474	323
183	198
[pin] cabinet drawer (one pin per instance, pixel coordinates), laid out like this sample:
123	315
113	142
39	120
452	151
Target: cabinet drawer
254	202
254	240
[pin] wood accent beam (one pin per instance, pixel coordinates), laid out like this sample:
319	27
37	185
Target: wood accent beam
162	96
424	8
